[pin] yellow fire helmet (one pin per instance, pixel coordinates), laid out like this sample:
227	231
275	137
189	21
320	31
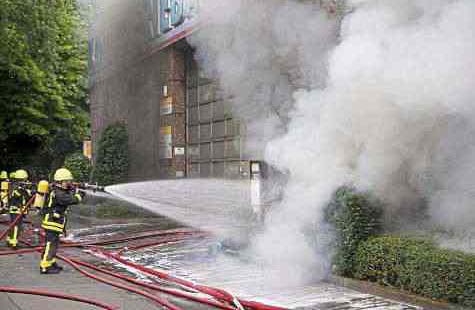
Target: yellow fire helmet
21	174
63	174
12	175
3	175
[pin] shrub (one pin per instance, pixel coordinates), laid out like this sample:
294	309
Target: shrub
112	161
79	165
355	217
418	267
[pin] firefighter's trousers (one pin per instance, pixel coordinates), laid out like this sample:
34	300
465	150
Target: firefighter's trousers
48	258
12	238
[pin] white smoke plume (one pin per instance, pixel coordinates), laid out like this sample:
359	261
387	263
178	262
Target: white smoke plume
388	108
259	51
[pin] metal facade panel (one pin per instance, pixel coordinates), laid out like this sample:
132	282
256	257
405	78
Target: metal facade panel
218	110
233	148
205	113
213	142
194	170
207	93
194	134
193	115
194	152
219	130
205	151
192	96
218	169
205	170
232	128
205	132
218	150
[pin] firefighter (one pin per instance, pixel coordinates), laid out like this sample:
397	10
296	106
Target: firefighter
61	196
4	188
18	197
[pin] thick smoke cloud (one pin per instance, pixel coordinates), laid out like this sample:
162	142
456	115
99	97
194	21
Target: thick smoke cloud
389	108
260	52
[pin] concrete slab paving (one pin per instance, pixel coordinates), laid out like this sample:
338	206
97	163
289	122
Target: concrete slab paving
22	271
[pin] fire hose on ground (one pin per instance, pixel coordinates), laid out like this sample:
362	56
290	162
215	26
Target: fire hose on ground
161	301
17	219
215	293
14	290
156	287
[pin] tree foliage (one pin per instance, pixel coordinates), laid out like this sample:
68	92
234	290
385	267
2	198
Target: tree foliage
112	162
43	73
79	166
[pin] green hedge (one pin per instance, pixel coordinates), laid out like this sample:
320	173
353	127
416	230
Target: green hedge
112	161
418	267
355	217
79	165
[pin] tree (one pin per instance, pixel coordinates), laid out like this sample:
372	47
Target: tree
43	75
112	161
79	165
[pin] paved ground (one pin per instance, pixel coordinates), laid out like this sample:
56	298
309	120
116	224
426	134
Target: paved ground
188	260
23	272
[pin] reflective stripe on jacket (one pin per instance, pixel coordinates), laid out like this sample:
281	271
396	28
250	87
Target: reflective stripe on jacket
55	213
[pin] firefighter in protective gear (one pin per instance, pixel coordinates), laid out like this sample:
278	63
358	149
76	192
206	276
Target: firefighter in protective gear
18	197
62	195
4	188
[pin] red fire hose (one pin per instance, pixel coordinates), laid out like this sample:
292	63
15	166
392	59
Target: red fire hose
217	293
17	219
161	301
156	287
98	304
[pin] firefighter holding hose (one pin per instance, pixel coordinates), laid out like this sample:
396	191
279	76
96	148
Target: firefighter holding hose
18	196
54	205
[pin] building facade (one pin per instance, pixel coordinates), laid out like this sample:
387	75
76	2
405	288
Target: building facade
142	73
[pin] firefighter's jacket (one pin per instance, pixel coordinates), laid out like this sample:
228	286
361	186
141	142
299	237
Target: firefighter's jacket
18	199
4	195
55	211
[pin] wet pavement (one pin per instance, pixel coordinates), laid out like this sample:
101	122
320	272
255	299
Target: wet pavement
198	261
203	260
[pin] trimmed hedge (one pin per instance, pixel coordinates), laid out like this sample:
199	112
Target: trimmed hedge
418	267
355	217
79	165
112	161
